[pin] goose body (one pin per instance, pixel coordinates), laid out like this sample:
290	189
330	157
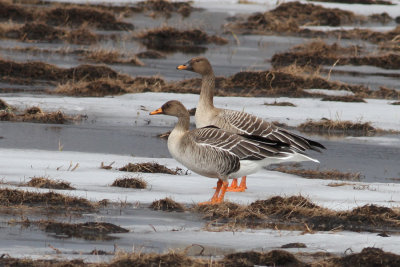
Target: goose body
240	122
215	153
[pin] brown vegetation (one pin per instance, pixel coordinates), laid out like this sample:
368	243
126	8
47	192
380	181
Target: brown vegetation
63	15
88	230
39	31
319	174
285	104
364	2
150	54
298	213
326	126
44	182
318	53
288	17
10	197
367	257
165	8
35	114
130	182
150	167
395	103
111	56
345	98
167	204
170	39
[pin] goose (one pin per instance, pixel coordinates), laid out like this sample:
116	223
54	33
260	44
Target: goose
236	121
215	153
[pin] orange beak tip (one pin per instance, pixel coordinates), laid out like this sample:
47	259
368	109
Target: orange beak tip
157	111
181	67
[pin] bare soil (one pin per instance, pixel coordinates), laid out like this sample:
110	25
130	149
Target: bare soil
130	182
298	213
44	182
150	167
167	204
169	39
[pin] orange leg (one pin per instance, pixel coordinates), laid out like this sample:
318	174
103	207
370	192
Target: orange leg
233	185
241	188
218	197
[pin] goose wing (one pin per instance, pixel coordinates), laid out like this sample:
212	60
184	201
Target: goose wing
246	123
245	147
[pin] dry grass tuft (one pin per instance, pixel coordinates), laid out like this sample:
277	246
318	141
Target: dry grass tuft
170	39
395	103
35	114
9	197
254	258
111	56
88	230
168	259
326	126
43	182
151	54
284	104
167	204
165	8
369	256
364	2
130	182
347	98
298	213
150	167
320	174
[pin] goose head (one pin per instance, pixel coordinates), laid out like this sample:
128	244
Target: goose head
172	108
200	65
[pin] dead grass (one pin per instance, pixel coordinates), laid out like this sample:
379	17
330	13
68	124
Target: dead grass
29	72
44	182
346	98
326	126
130	182
165	8
111	56
11	197
284	104
298	213
395	103
319	174
150	54
369	256
318	53
167	204
4	105
110	86
35	114
364	2
288	17
88	230
170	39
75	16
150	167
254	258
337	184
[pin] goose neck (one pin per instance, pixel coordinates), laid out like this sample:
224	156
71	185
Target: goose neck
207	89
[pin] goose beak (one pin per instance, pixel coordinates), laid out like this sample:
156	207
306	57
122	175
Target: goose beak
157	111
186	66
